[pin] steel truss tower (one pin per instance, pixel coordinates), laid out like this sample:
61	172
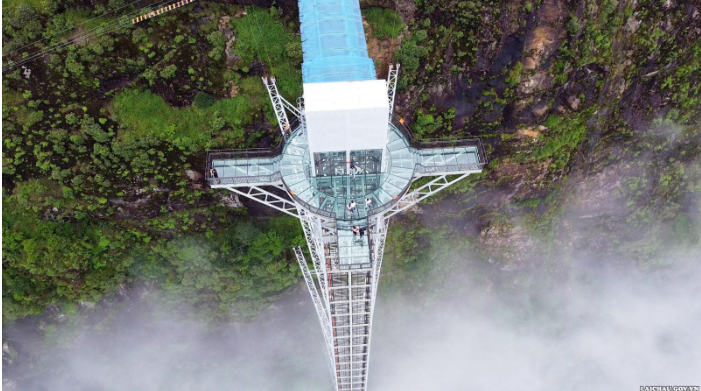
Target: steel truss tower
346	264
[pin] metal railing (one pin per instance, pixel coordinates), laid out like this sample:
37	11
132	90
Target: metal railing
302	118
224	154
440	143
448	168
274	177
307	206
277	152
391	203
432	144
233	154
257	179
249	153
425	170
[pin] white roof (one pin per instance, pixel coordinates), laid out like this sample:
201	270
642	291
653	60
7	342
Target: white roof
345	95
346	115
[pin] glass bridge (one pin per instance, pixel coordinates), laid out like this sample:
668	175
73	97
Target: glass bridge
330	195
346	244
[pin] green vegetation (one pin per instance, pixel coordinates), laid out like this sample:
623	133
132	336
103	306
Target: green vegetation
262	36
48	261
410	54
384	22
145	115
684	85
514	77
104	141
97	142
426	124
414	252
438	26
22	22
229	271
39	5
564	137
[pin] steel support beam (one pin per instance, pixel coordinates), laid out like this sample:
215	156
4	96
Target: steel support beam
310	224
421	193
278	106
392	78
267	198
320	311
290	107
378	253
302	118
379	239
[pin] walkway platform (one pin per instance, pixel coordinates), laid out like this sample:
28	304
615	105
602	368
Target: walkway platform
330	195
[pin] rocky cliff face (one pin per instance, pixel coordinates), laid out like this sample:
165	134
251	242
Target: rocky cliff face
593	141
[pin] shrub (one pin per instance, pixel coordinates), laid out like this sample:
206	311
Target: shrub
169	72
203	100
514	77
385	23
218	41
573	25
563	139
410	54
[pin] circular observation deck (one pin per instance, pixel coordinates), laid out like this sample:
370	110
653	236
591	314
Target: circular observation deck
330	195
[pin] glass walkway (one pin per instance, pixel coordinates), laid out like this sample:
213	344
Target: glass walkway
353	249
350	198
378	181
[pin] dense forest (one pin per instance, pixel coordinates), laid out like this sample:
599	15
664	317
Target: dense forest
589	111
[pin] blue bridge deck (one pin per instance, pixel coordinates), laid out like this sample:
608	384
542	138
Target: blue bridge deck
333	42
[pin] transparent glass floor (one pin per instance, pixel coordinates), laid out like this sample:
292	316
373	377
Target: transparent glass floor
353	249
334	193
234	168
449	156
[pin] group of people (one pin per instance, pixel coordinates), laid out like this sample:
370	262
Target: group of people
353	206
358	231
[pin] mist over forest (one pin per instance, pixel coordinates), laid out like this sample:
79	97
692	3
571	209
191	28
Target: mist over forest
465	323
572	262
607	328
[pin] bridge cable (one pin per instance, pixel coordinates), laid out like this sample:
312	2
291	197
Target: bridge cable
105	28
70	28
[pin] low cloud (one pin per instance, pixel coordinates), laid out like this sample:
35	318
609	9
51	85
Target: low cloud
592	330
599	329
147	347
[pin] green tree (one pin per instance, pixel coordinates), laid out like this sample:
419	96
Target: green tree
168	72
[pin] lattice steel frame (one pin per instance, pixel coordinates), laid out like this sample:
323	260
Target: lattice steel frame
380	238
392	77
290	107
422	192
320	230
313	226
267	198
302	118
319	306
378	252
278	106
